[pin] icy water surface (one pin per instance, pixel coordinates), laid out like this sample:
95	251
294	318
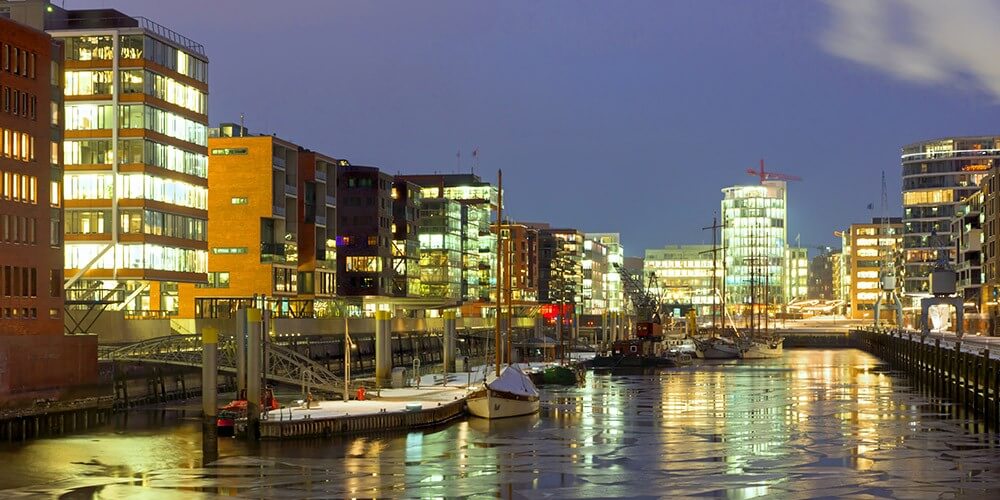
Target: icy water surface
814	424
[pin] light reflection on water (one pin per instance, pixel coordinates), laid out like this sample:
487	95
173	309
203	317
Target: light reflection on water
815	423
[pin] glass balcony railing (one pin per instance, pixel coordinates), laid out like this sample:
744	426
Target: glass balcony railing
278	162
278	210
320	220
320	175
331	200
290	190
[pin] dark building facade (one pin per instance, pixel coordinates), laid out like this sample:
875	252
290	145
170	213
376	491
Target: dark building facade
560	264
364	232
821	275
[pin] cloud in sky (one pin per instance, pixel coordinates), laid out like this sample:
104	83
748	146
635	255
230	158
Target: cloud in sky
936	42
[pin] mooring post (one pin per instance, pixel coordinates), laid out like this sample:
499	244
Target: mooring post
209	395
254	365
449	342
383	347
241	352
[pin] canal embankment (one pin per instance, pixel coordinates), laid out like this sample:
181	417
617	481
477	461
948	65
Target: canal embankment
963	371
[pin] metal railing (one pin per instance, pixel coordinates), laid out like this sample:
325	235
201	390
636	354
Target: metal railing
284	365
272	249
171	35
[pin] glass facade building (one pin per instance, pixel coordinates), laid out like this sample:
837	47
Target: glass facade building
796	273
682	277
872	248
755	236
596	269
614	294
937	175
135	152
459	210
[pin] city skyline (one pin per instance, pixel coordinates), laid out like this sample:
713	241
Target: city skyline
547	85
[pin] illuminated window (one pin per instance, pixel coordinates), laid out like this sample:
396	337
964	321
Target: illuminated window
239	201
229	250
935	196
364	264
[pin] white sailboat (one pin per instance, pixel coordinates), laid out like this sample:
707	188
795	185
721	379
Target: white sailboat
508	392
764	349
512	394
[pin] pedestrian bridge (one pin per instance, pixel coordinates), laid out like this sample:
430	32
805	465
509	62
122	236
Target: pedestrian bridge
282	365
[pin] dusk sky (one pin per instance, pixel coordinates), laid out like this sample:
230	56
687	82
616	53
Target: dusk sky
610	116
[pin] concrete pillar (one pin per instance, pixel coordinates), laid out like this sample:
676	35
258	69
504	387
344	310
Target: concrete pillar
539	326
614	326
448	341
241	351
383	348
209	396
604	330
254	365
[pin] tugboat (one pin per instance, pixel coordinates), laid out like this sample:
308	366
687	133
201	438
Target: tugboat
644	350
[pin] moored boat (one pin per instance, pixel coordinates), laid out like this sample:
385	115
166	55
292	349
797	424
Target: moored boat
764	349
512	394
718	348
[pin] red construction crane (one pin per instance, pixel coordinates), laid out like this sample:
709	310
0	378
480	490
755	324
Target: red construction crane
771	176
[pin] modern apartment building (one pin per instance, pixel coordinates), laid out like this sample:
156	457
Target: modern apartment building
523	244
796	279
273	226
135	154
473	203
755	237
560	265
821	282
967	240
596	269
38	360
872	248
406	204
364	232
682	278
937	175
613	292
442	261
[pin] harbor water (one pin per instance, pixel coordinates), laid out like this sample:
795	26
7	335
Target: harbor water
814	423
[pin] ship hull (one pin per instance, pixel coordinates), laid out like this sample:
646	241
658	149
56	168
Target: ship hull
764	351
718	350
488	403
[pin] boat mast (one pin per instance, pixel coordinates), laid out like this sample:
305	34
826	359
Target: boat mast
510	308
496	329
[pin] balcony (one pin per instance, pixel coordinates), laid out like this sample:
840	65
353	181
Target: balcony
331	200
278	162
272	252
321	175
321	220
290	190
279	211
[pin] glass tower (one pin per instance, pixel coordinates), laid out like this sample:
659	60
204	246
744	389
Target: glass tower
754	238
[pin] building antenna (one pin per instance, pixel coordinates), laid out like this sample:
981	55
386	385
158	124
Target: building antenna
458	161
475	160
242	125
